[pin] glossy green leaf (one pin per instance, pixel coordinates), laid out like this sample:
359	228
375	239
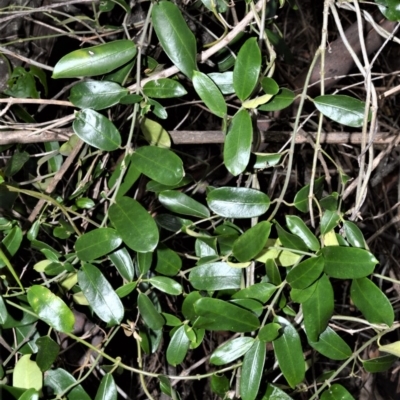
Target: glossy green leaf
330	202
210	94
100	295
26	336
166	285
215	276
269	332
231	350
172	223
259	291
237	147
299	228
301	197
154	133
280	101
289	353
107	389
389	8
126	289
51	309
289	240
149	313
247	69
168	261
122	261
372	302
269	86
30	394
97	130
336	392
27	374
96	60
274	393
331	345
85	203
97	243
159	164
247	246
219	315
144	261
12	242
178	346
252	370
318	309
305	273
265	160
249	304
171	320
343	109
3	311
164	88
47	353
176	39
181	203
224	81
348	262
134	225
329	221
188	305
219	5
379	364
233	202
96	95
58	380
272	272
354	235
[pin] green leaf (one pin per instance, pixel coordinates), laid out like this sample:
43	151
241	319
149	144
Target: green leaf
354	235
389	8
336	392
58	380
181	203
97	130
164	88
3	311
30	394
122	261
210	94
372	302
188	305
288	240
265	160
27	374
166	285
100	295
301	197
215	276
97	243
224	81
289	353
379	364
299	228
176	39
305	273
15	163
96	95
85	203
152	318
239	202
318	308
269	332
47	354
280	101
219	315
134	224
11	242
178	346
348	262
154	133
247	246
218	5
107	389
252	370
331	345
329	221
340	108
231	350
96	60
220	384
159	164
259	291
168	261
274	393
247	69
237	147
51	309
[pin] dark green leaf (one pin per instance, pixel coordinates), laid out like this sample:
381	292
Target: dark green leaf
220	383
100	295
168	261
272	272
329	221
126	289
176	39
97	95
372	302
122	261
97	60
289	353
354	235
164	88
166	285
47	354
15	163
379	364
237	147
51	309
280	101
274	393
134	224
247	69
343	109
289	240
348	262
181	203
231	350
305	273
219	315
233	202
299	228
178	346
252	370
301	198
188	305
97	243
265	160
107	389
215	276
259	291
336	392
269	332
3	311
11	242
150	315
97	130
